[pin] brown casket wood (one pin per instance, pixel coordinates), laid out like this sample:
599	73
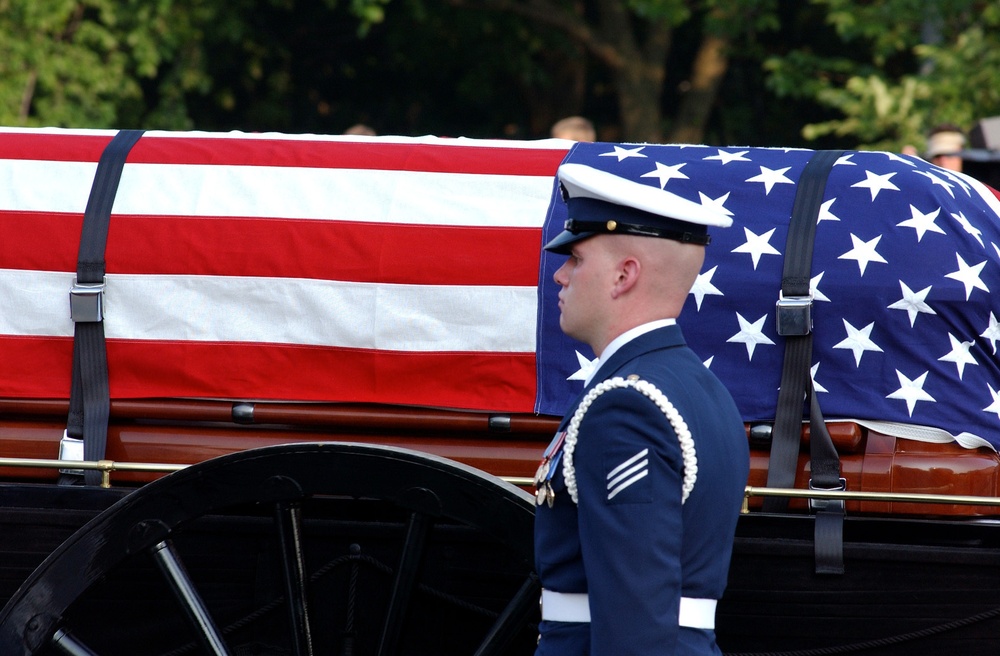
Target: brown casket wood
507	446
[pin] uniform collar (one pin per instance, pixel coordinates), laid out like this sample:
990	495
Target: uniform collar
624	339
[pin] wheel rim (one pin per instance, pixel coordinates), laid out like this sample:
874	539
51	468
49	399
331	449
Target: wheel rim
432	506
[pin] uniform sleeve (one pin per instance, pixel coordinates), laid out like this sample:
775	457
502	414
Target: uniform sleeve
629	473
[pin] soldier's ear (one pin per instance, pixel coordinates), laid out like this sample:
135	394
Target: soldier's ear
627	274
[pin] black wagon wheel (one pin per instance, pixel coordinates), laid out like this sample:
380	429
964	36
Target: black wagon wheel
301	549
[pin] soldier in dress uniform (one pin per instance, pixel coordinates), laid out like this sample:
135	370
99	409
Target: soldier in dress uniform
639	492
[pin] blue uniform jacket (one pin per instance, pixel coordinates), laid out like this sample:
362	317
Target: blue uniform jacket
638	552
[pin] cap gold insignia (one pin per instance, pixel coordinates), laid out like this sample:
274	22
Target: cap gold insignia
633	376
612	225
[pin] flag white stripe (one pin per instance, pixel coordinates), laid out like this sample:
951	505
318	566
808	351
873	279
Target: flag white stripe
376	196
27	185
628	463
627	484
428	318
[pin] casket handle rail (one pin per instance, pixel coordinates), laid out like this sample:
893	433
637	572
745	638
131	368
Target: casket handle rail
107	467
856	495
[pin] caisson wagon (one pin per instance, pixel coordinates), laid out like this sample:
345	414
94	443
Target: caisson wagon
273	394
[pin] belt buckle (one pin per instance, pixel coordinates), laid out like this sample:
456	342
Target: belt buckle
836	505
86	302
793	315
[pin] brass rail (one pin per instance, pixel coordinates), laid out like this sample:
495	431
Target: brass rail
104	466
108	466
848	495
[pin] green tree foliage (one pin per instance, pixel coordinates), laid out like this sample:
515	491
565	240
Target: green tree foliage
83	62
756	72
899	67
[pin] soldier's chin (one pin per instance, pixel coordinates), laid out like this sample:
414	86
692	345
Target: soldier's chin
566	327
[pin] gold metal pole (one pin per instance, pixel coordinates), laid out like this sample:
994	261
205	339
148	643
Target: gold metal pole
104	466
848	495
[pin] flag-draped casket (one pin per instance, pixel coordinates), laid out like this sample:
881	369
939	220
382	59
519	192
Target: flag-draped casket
408	271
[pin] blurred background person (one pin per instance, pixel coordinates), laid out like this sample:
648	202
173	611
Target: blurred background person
576	128
360	129
945	144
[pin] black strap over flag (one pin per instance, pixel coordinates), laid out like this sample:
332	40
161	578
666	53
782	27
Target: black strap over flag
90	398
794	315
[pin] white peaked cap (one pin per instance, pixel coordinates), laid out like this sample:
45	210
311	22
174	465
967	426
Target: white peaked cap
604	203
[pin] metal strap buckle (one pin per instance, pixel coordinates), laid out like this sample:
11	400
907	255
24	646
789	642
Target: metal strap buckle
836	505
794	315
86	301
71	449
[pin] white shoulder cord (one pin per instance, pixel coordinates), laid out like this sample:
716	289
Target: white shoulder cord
690	459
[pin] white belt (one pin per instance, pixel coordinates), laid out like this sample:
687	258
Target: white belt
575	607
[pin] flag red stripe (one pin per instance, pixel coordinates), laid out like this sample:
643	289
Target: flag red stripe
57	147
320	153
347	251
233	371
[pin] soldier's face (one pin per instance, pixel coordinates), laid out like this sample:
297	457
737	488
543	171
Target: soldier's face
585	279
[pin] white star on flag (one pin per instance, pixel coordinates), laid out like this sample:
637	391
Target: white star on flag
911	391
824	212
703	286
938	181
845	160
756	245
959	354
876	183
715	203
750	334
816	386
957	180
899	158
969	228
817	295
624	153
858	341
992	332
666	173
863	252
913	302
968	276
922	223
726	157
995	406
586	367
771	177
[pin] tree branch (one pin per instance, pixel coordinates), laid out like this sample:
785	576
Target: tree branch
28	96
552	15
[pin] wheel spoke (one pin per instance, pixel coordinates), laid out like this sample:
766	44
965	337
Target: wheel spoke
512	619
64	641
405	583
288	517
173	569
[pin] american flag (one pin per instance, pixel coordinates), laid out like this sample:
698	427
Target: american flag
906	260
408	271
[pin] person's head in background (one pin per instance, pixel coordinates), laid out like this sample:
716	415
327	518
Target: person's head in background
944	147
360	129
576	128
